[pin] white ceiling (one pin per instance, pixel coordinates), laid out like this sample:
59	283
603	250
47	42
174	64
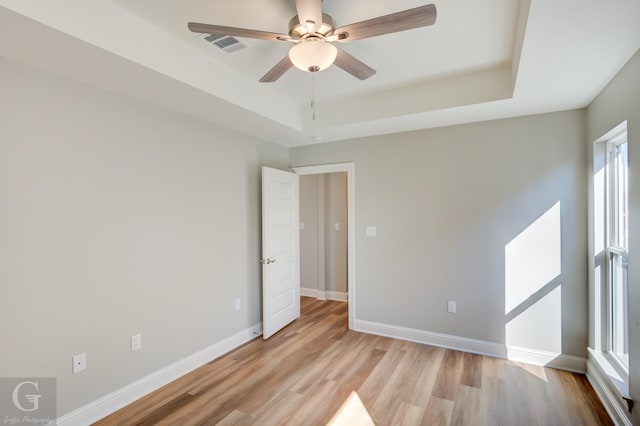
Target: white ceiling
482	60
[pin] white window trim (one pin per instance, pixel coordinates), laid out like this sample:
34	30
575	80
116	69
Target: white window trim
603	370
617	139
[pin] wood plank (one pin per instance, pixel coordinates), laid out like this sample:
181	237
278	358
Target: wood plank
314	410
279	411
236	418
467	409
591	402
449	376
407	414
438	412
425	369
492	367
494	402
472	370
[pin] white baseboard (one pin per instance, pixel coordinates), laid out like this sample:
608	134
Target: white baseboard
324	295
482	347
122	397
607	391
308	292
556	360
312	292
339	296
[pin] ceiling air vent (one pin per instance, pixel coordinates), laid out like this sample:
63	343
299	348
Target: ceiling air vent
227	43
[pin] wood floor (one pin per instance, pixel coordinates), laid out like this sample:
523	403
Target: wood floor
304	374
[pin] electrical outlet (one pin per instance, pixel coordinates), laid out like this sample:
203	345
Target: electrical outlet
237	304
136	342
336	226
79	363
451	306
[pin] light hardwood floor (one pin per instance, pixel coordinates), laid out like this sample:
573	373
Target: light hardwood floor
303	375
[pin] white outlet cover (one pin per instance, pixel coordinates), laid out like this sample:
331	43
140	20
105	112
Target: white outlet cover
79	363
136	342
301	225
451	307
336	226
372	231
237	304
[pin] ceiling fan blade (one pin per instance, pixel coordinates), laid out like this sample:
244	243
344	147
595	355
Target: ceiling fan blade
236	32
353	66
400	21
276	72
310	10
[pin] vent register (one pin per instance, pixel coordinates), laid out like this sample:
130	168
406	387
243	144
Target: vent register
226	43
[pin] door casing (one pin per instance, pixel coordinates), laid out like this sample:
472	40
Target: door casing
349	168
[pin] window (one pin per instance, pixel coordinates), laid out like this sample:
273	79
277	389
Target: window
617	249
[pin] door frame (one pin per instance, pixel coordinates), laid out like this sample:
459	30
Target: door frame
349	168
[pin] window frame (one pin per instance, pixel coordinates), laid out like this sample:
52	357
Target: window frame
613	248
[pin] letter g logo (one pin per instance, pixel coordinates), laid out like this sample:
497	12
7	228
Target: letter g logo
33	398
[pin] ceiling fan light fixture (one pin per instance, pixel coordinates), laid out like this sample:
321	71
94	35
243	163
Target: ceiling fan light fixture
313	54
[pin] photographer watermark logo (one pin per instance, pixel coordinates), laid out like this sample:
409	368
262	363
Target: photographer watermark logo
32	398
29	401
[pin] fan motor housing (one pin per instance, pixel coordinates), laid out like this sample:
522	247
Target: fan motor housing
298	30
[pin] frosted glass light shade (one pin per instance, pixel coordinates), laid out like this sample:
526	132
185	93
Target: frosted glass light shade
313	55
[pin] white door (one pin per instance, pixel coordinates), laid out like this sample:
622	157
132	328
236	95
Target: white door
280	250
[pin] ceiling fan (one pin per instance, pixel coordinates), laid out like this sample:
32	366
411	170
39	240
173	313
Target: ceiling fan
313	32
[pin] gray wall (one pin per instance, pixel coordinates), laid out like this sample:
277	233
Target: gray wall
336	240
458	212
323	204
309	235
618	102
118	218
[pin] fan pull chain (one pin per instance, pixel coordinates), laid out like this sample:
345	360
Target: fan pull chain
313	98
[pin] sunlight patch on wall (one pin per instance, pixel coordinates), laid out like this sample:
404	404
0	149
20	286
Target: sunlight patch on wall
533	302
533	258
540	326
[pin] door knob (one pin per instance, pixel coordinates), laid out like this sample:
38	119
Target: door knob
267	261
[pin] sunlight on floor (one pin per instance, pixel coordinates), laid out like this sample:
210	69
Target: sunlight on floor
535	370
352	413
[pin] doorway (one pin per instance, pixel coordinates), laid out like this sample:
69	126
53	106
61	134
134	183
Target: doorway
335	272
323	236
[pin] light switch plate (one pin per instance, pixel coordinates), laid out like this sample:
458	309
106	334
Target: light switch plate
372	231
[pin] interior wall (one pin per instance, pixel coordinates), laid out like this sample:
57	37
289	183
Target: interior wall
618	102
309	232
323	211
119	218
336	232
490	215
